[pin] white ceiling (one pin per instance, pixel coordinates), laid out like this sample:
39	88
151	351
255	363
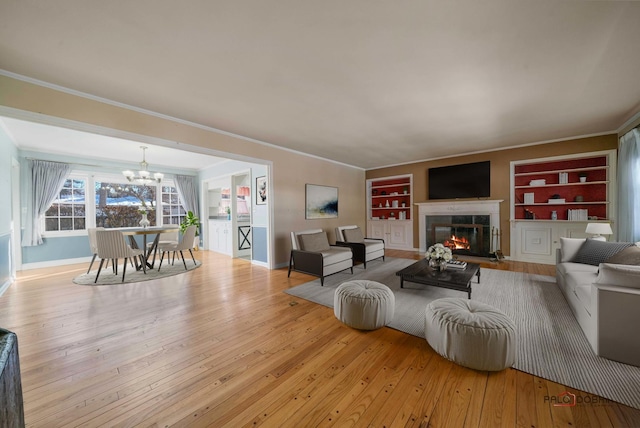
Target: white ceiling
50	139
367	83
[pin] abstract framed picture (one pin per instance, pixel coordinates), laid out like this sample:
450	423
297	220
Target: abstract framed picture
321	202
261	190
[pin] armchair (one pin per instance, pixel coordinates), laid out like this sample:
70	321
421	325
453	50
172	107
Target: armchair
312	254
364	249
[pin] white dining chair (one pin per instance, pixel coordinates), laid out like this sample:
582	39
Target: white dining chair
165	238
112	246
185	244
93	246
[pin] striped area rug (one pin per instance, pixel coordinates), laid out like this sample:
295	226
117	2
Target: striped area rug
551	344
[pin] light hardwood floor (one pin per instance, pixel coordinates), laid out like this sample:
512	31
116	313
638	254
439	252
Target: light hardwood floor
224	346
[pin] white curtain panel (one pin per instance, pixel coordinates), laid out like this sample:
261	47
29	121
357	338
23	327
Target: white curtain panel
188	190
47	179
629	187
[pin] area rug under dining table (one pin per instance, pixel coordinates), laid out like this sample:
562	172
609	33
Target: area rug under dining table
551	344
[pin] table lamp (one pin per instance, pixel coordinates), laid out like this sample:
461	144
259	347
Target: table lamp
599	229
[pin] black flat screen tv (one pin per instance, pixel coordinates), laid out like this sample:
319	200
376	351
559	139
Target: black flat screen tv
470	180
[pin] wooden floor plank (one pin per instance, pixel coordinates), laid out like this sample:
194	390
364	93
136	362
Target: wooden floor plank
224	346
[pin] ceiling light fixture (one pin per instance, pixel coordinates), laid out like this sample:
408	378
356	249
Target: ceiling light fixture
144	176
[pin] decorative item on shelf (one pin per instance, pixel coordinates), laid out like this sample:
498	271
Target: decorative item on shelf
404	205
583	177
540	182
579	198
374	192
555	199
394	204
405	190
144	221
554	215
598	229
392	216
529	215
228	213
380	205
438	256
383	193
529	198
387	204
144	177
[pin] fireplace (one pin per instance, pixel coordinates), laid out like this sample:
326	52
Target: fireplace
463	234
467	227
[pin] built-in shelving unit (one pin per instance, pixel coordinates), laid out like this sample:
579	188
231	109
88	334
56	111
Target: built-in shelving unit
542	187
550	200
389	210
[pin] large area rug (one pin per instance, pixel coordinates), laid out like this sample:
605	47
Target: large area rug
108	278
551	344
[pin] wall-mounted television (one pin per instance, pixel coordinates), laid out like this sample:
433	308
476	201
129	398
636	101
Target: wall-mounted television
470	180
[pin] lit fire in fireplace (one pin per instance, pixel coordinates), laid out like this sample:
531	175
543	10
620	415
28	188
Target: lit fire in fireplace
456	243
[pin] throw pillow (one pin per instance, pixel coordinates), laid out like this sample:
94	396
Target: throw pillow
569	248
628	256
353	235
622	276
316	242
594	252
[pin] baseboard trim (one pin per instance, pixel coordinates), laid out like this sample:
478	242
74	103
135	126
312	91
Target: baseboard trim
53	263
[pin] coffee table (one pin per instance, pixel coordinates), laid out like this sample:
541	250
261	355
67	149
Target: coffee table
451	278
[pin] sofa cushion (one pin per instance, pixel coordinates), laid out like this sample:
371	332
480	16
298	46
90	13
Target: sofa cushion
314	241
628	256
594	252
576	279
620	275
371	246
569	248
353	235
583	292
568	267
336	255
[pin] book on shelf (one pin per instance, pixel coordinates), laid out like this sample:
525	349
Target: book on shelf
457	264
578	215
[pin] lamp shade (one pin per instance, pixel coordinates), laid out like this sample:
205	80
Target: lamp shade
599	229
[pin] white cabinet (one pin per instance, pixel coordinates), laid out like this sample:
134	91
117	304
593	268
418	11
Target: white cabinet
537	241
397	234
220	238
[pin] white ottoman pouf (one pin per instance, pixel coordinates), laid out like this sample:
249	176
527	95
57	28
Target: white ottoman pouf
365	305
470	333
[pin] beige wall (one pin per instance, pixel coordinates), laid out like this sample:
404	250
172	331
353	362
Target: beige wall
500	167
291	171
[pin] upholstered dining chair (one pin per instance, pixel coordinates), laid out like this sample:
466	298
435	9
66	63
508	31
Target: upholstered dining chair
111	245
93	245
364	249
185	244
172	237
312	254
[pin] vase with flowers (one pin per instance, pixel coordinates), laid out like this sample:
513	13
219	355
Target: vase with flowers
438	256
144	221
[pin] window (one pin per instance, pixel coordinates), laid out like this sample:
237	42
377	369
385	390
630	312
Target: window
172	210
68	211
120	204
112	203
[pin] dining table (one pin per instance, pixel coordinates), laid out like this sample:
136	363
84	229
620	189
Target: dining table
132	232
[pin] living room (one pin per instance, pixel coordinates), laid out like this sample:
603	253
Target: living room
39	97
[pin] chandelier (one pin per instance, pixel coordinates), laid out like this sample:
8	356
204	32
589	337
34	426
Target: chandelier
144	177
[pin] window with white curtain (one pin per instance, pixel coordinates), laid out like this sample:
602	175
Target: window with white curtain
108	200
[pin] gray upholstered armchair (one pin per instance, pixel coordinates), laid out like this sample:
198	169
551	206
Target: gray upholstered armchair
312	254
364	249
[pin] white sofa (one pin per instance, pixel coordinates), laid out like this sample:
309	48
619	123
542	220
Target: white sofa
604	297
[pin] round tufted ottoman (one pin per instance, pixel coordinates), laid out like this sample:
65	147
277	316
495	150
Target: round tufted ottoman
470	333
365	305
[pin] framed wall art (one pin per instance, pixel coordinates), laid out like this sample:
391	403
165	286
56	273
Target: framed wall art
321	202
261	190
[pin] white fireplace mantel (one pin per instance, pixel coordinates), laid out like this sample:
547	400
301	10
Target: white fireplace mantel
479	207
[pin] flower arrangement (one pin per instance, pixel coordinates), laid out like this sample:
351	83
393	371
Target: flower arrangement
439	252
